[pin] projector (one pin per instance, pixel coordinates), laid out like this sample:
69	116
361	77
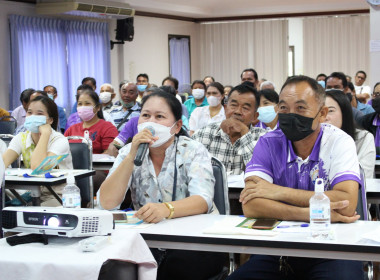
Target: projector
69	222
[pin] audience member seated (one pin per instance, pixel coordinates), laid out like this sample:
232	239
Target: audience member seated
89	81
173	82
101	132
128	109
267	85
172	91
351	94
371	122
20	112
52	93
250	75
74	117
232	140
208	80
34	94
340	115
130	129
363	92
203	116
174	180
198	99
337	80
39	141
268	109
280	180
106	95
142	82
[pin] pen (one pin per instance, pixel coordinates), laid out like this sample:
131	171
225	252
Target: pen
301	225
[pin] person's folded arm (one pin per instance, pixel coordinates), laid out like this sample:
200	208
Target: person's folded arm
257	187
266	208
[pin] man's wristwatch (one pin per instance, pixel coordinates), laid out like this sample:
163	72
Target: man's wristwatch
171	209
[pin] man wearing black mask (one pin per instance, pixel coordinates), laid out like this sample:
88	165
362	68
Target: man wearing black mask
279	180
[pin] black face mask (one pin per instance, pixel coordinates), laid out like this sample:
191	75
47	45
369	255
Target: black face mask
295	127
376	105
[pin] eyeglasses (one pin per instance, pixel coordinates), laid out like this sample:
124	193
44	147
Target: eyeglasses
376	94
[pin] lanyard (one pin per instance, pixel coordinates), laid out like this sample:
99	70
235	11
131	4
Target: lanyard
175	172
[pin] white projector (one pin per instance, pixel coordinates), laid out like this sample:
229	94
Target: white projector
69	222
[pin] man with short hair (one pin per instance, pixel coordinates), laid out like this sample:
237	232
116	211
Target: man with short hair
19	113
142	82
267	85
249	75
280	178
363	92
106	95
128	109
232	140
173	82
89	81
337	80
52	93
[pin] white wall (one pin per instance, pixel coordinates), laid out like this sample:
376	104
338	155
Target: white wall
296	40
6	9
149	50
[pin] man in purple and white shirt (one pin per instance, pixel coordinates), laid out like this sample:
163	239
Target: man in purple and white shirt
281	174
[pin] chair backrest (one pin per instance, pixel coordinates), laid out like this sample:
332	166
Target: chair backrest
221	189
8	125
81	154
362	206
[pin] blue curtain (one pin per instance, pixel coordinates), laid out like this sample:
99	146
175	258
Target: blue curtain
180	59
38	56
88	49
57	52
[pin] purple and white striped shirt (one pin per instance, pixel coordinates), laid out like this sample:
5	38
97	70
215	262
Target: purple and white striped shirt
333	159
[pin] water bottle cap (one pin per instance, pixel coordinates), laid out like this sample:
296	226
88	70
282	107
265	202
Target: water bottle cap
319	185
70	179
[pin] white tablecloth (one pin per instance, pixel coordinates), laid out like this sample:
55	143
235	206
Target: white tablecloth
61	259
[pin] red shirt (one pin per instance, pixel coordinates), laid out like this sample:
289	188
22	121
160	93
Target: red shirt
101	134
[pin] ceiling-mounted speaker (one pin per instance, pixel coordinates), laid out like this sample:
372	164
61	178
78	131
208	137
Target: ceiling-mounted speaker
125	30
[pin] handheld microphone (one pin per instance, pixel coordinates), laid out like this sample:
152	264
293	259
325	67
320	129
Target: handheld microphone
141	150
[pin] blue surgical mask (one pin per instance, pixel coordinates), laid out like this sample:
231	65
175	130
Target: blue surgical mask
266	114
141	87
322	83
33	122
51	96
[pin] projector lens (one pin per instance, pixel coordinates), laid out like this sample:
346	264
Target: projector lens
53	222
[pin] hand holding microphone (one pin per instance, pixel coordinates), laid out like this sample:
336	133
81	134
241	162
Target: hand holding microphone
142	149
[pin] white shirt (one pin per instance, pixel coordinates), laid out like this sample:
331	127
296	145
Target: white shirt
365	148
19	114
363	89
200	117
3	147
58	144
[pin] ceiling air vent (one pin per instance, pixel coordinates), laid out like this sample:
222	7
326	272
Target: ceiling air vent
87	8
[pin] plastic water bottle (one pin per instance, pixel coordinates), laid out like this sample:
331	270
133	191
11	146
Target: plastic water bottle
319	205
71	193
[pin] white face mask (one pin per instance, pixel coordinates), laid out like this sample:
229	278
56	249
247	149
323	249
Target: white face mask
105	97
198	93
213	101
158	130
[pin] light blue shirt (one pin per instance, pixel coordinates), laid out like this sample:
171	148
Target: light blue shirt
117	114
